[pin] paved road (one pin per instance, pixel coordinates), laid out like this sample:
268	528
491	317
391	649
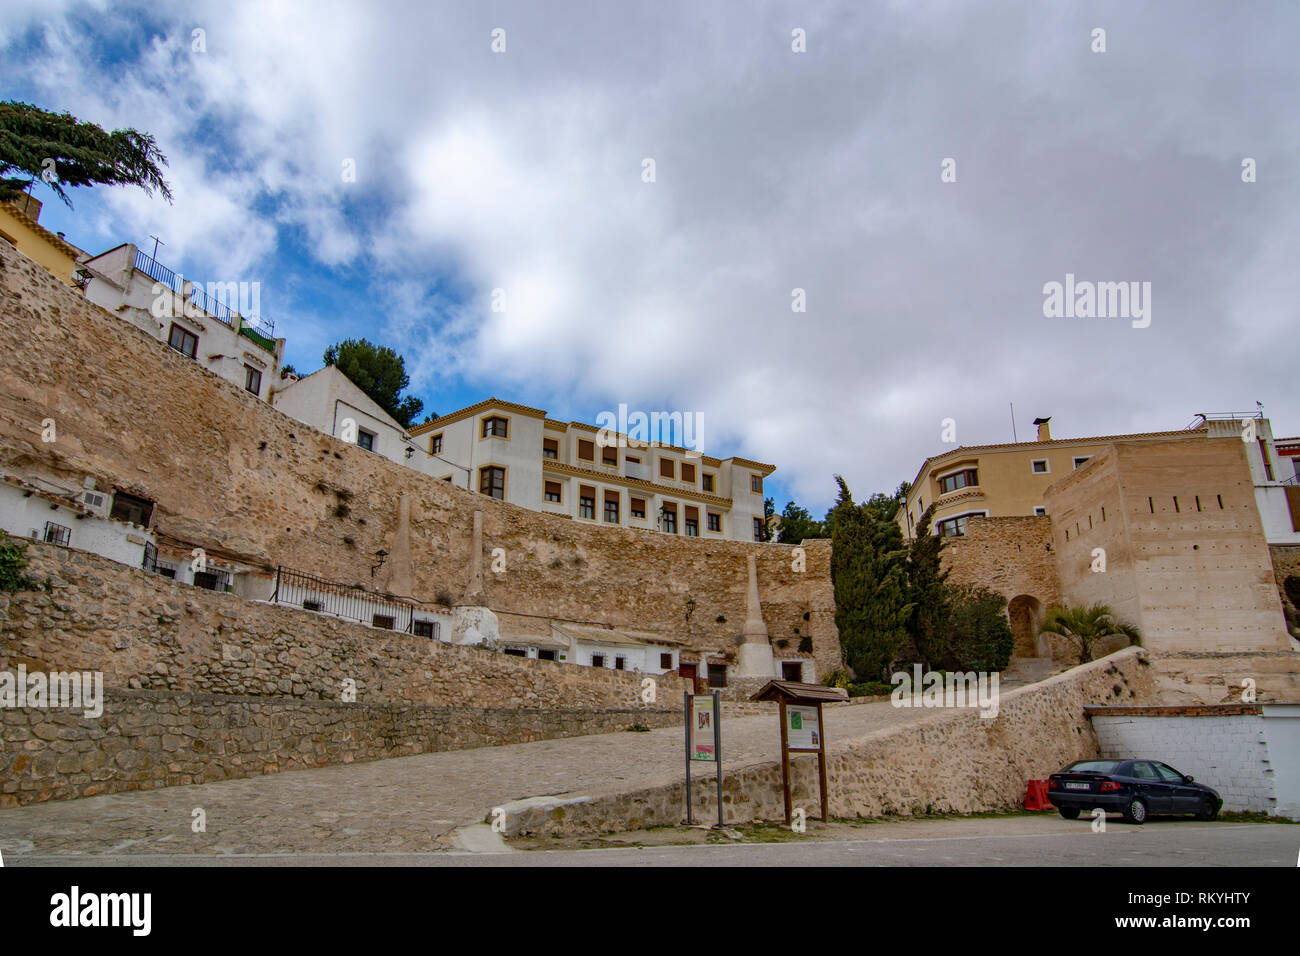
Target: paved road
408	803
1012	841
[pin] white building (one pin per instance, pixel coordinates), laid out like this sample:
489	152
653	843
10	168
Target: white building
1277	491
594	646
189	318
517	454
114	524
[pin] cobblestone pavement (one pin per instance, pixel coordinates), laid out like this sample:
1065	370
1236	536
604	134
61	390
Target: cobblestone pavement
406	804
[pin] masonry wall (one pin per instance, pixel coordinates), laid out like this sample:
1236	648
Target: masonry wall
954	762
144	631
150	739
245	482
1187	535
1224	747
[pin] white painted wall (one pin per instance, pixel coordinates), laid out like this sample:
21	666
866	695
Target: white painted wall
1234	753
25	517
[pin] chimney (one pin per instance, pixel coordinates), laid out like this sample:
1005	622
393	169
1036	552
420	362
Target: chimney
1044	430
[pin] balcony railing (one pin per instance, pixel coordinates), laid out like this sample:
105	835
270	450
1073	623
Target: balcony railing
349	602
263	326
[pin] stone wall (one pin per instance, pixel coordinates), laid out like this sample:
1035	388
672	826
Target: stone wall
144	631
1286	564
232	475
953	762
150	739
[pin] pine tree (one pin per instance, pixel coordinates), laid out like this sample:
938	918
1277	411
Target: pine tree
61	151
928	622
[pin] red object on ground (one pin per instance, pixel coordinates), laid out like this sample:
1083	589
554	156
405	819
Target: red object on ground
1036	796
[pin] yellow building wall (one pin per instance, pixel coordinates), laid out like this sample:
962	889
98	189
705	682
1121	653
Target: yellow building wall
37	244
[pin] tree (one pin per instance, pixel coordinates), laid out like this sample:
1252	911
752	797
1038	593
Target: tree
798	524
928	624
58	149
869	578
979	637
1086	625
769	509
380	373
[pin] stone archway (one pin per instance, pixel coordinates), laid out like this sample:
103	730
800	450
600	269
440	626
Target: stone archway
1025	613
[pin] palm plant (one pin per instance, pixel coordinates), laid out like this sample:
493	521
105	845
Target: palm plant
1085	625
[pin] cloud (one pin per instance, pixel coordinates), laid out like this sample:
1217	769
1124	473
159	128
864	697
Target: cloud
522	172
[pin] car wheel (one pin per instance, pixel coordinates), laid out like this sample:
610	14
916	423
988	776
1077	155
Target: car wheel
1135	812
1209	809
1070	813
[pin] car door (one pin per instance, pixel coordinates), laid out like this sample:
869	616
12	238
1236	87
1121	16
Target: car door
1152	787
1186	797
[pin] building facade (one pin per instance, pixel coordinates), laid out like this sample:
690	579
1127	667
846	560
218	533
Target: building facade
19	228
515	453
195	322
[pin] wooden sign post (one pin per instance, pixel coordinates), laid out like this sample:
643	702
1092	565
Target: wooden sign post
803	730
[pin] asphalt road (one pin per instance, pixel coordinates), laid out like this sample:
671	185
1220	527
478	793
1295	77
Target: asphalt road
987	842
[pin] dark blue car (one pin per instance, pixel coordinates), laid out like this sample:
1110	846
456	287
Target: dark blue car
1136	788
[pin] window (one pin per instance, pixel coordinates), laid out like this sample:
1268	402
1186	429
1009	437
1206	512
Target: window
961	479
1040	510
587	503
551	448
632	459
435	444
252	380
688	473
670	518
692	522
611	507
211	579
382	620
495	427
306	605
516	652
956	527
758	529
717	675
586	450
637	507
131	509
1040	466
183	341
666	661
492	482
553	491
756	484
708	481
597	660
715	521
667	468
57	533
366	439
1078	462
545	655
425	629
609	455
620	663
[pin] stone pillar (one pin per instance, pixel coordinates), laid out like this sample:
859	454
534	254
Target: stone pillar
400	579
754	658
473	622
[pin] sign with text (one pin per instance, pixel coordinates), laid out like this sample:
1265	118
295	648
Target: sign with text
803	729
704	716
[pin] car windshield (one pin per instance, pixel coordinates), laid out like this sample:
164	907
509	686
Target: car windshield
1093	766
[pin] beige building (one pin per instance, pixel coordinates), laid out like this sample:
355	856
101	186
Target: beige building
517	454
19	228
1011	480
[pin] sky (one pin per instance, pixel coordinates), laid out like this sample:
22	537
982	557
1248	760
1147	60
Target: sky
920	171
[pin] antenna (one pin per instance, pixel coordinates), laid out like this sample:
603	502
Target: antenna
156	243
1013	423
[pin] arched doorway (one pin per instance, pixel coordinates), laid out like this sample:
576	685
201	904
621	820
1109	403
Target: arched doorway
1025	613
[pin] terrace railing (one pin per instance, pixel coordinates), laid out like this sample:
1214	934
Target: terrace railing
350	602
198	296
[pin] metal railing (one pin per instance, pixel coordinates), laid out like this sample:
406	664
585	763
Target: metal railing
349	602
1203	417
199	298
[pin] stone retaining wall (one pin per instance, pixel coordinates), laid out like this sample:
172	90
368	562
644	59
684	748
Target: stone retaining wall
149	739
144	631
953	762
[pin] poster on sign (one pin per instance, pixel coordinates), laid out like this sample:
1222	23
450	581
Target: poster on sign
703	727
803	728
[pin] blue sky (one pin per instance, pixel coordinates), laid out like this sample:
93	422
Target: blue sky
522	170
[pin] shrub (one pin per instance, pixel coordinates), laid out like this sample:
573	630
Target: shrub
13	562
979	636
